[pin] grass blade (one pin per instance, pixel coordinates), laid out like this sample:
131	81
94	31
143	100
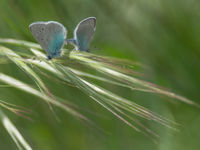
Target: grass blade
14	133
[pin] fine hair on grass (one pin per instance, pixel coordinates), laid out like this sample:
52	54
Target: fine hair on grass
116	72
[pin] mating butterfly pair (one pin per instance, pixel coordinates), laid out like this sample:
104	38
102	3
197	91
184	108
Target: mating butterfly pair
52	35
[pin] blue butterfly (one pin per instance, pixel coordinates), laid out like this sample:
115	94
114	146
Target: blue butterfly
50	35
83	34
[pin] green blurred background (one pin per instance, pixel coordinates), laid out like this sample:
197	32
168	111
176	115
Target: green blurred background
164	36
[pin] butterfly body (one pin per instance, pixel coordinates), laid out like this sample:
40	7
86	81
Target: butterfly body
50	35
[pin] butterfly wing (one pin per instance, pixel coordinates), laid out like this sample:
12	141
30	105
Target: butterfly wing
50	35
84	32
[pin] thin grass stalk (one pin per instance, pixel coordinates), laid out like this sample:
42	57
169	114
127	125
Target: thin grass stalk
14	133
129	80
26	88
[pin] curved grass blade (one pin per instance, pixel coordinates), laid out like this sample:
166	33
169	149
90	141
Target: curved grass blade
49	67
20	43
14	133
103	96
45	66
26	88
20	111
115	104
20	63
129	80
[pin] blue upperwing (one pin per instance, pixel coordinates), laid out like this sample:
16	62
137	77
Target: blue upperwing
83	42
55	45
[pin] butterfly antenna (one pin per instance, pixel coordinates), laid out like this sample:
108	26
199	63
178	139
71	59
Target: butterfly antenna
96	48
